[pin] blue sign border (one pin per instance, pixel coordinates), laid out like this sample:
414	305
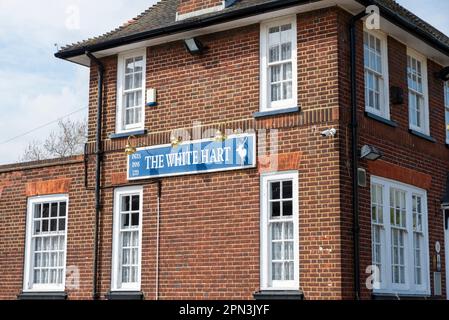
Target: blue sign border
196	172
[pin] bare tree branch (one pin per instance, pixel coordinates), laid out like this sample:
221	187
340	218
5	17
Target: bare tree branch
67	141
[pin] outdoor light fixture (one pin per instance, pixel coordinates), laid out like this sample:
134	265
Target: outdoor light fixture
130	149
220	137
444	74
194	46
175	141
370	153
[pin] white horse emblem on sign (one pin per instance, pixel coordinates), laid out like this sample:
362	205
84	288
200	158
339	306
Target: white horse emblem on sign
242	151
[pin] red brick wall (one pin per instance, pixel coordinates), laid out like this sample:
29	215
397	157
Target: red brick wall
403	152
13	208
217	215
187	6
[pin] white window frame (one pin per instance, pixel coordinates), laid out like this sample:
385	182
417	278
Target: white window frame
386	285
29	252
265	236
119	125
446	109
384	111
265	104
115	274
423	59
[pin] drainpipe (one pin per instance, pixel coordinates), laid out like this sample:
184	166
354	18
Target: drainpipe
355	154
98	154
158	213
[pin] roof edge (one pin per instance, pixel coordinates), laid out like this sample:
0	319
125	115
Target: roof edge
184	26
41	164
410	27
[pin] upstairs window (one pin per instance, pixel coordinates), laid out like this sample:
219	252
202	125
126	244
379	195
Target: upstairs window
278	65
446	102
131	91
45	254
418	99
376	74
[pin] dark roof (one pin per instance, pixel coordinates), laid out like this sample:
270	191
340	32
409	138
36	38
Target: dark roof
160	19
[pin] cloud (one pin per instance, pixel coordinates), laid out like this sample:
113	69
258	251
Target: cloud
35	87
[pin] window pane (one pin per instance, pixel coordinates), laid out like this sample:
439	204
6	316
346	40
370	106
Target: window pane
277	251
287	189
61	224
126	203
46	210
275	92
287	208
275	209
275	190
62	209
276	231
37	210
286	50
135	203
277	271
135	219
138	64
274	54
275	73
129	65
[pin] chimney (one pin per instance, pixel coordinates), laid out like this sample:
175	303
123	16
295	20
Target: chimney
192	8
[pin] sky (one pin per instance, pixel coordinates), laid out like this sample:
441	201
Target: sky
36	88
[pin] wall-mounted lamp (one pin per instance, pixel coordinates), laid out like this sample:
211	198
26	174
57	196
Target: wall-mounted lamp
220	136
444	74
130	149
175	141
370	153
194	46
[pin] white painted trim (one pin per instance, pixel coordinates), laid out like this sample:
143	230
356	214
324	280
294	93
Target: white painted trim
446	251
446	109
119	127
423	59
133	190
197	13
409	287
265	265
385	107
264	88
28	251
253	135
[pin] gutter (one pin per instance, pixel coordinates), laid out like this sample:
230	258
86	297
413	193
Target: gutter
185	26
398	20
98	153
355	154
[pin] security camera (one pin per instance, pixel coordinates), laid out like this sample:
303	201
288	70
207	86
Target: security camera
329	133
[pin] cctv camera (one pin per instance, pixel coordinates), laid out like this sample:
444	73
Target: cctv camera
329	133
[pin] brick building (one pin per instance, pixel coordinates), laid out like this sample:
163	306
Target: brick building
258	124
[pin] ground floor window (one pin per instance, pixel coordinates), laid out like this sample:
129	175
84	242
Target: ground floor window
45	253
399	237
279	231
127	239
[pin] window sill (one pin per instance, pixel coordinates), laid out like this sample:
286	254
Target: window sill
42	296
275	112
127	134
124	295
381	119
422	135
279	295
391	296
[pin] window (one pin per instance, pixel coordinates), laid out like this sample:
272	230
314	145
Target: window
279	232
417	92
376	74
399	237
278	65
127	240
446	101
131	91
45	253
